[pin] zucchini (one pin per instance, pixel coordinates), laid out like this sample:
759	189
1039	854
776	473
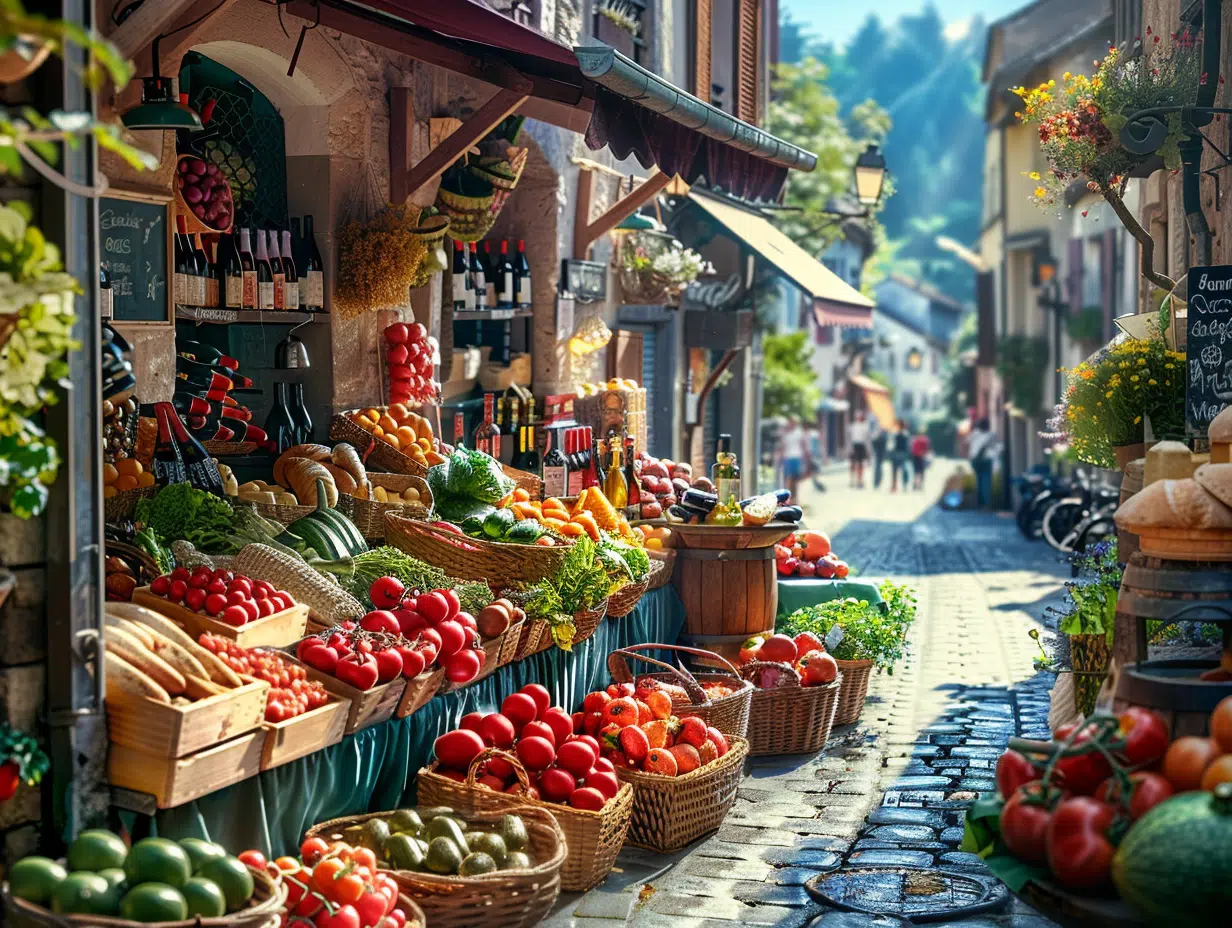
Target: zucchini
320	536
342	527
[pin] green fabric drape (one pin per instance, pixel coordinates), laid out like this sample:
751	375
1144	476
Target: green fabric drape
797	593
374	769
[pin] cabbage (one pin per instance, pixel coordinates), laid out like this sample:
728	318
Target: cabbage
467	484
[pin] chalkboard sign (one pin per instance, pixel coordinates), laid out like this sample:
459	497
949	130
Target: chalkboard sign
1208	388
133	242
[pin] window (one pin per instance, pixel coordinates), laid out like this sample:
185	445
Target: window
626	26
907	401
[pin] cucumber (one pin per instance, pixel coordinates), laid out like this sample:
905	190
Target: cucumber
344	527
321	537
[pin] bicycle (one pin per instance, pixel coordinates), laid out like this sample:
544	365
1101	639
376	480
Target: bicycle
1072	517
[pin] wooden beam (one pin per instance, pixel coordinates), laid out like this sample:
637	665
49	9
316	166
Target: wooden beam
483	121
146	22
400	123
585	233
581	214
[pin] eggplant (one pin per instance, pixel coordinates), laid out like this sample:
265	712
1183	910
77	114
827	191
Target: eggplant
699	500
686	515
788	514
781	494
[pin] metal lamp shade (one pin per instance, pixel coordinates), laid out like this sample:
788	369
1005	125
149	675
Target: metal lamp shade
870	171
159	109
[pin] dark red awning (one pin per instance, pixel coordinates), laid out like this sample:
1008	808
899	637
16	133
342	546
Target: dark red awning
842	314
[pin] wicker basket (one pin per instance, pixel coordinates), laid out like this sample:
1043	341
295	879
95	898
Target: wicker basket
269	895
500	563
623	600
586	622
497	652
729	714
369	514
414	914
853	691
660	569
592	839
219	449
534	631
376	454
120	508
284	514
790	718
671	812
526	480
503	899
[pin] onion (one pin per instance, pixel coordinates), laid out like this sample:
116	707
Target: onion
211	169
184	166
198	211
198	166
193	194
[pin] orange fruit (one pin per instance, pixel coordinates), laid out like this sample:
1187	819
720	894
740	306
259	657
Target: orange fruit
391	439
109	474
687	758
387	423
109	491
644	714
1221	723
660	704
146	479
129	467
1219	771
660	761
406	436
656	733
708	752
398	411
125	482
373	414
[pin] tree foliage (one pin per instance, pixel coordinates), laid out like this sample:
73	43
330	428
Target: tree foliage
789	385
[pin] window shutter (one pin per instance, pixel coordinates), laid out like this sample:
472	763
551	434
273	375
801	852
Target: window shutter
748	45
986	303
701	53
1075	274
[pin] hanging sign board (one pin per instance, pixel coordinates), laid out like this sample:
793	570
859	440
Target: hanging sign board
1208	384
134	238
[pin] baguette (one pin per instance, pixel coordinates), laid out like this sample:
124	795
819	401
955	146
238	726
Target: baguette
215	669
126	683
346	457
149	663
137	631
201	688
175	654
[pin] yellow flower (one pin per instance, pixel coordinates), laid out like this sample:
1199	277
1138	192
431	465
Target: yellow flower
1133	378
1142	360
1108	394
1041	192
1101	402
1168	366
1137	419
1087	374
1153	382
1034	175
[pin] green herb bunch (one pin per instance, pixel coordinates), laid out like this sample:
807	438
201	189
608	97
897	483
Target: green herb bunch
870	633
180	510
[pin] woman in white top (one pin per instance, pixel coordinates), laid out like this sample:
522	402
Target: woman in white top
793	451
859	433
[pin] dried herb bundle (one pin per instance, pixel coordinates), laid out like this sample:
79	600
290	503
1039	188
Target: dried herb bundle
379	261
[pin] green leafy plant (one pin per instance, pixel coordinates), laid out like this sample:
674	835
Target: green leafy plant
870	633
1021	361
789	384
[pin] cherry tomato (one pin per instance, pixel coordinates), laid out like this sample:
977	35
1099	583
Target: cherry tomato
371	906
287	864
312	850
344	916
1079	852
363	857
254	859
398	917
1013	770
1145	733
1025	818
338	881
1147	790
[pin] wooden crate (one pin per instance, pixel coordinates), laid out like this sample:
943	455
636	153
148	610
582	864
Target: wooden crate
277	630
367	706
176	731
304	734
173	781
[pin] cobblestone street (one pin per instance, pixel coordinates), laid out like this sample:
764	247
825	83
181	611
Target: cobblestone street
880	811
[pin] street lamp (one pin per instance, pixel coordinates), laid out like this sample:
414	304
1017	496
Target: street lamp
870	172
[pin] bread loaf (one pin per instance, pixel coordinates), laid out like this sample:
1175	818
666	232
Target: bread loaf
1216	479
311	452
342	480
1168	460
302	475
1173	504
1219	432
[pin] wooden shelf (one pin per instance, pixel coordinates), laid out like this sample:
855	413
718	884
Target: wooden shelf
202	314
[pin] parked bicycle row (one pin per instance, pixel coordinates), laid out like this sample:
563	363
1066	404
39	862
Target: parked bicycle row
1072	512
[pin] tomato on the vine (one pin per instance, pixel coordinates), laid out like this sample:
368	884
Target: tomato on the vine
1080	772
1013	770
1145	734
344	916
371	906
312	850
1147	790
287	864
1079	851
362	857
338	881
1025	818
254	858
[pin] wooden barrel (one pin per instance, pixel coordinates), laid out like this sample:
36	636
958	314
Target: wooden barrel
1171	591
727	581
1131	483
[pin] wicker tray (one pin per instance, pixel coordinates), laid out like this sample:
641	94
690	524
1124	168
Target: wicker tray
269	894
729	714
671	812
369	514
504	899
853	691
371	449
500	563
790	718
120	508
220	449
534	632
623	600
419	692
526	480
592	839
586	622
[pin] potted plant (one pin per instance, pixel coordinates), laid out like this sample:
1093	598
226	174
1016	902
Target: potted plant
1081	119
654	268
617	25
1021	361
1088	619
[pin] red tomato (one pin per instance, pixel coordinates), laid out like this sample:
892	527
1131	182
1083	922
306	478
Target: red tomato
344	916
1080	773
312	850
1145	733
287	864
254	859
1079	852
397	334
1147	790
807	641
338	881
1025	818
371	907
363	857
748	650
1013	770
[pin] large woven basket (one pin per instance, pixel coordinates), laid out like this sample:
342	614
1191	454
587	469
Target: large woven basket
853	691
500	563
592	839
587	621
789	718
526	480
284	514
376	454
414	914
120	508
269	895
503	899
671	812
621	603
369	514
534	633
729	714
660	571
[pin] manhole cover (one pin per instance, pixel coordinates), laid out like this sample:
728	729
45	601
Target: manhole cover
915	893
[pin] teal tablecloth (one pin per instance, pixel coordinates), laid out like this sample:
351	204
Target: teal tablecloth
374	769
800	592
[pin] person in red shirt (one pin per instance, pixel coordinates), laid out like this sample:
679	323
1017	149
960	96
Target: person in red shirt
920	447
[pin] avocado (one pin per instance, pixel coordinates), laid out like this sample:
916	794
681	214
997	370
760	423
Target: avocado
403	853
443	856
353	835
405	821
445	827
476	864
473	838
492	845
376	833
427	813
513	831
517	861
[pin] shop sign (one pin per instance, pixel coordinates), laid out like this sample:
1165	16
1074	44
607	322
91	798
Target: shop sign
713	293
1208	388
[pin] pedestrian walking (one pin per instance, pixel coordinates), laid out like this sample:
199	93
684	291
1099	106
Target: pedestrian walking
879	443
793	451
859	433
981	453
921	447
899	444
816	457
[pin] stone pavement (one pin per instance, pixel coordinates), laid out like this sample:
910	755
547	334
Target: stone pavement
879	813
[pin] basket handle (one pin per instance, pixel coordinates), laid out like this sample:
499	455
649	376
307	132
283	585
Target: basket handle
696	652
747	671
436	534
617	664
486	754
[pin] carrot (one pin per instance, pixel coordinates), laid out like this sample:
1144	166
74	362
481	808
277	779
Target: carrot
580	505
573	530
587	521
557	524
554	502
520	495
604	514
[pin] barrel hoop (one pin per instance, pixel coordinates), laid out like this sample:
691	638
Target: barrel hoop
725	554
1172	610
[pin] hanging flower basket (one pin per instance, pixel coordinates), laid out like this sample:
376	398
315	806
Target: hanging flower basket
654	268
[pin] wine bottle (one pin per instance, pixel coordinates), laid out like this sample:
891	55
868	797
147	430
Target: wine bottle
725	472
231	272
248	271
555	469
200	467
459	426
588	445
573	468
290	273
265	275
634	485
505	294
479	280
185	266
280	425
299	413
487	438
489	276
615	487
297	244
530	460
280	277
521	278
458	274
105	305
513	417
206	286
313	271
168	467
